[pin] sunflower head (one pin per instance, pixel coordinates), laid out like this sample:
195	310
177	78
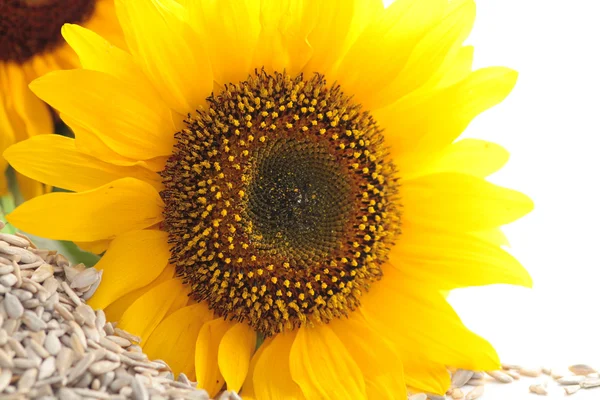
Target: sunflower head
285	170
280	202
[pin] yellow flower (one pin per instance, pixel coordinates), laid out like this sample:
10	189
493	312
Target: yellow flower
286	171
30	46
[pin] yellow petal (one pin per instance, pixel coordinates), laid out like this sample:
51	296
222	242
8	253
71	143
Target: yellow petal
248	386
230	29
425	375
31	188
282	42
449	260
115	310
323	368
208	375
54	160
174	338
170	53
130	124
235	351
337	24
429	55
384	47
460	202
96	247
133	260
380	364
97	54
123	205
494	236
271	377
33	112
417	128
144	315
468	156
414	325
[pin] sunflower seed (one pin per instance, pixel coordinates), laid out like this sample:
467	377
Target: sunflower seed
456	393
590	383
127	335
461	377
476	393
581	369
500	376
8	280
25	256
511	366
27	379
513	374
571	389
139	390
47	367
72	296
102	367
531	372
5	377
571	380
13	306
538	388
85	278
32	321
51	343
42	273
14	240
478	375
6	269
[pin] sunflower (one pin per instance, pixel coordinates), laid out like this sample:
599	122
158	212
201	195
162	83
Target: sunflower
30	46
279	191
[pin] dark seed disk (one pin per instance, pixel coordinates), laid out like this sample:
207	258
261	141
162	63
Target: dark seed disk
280	202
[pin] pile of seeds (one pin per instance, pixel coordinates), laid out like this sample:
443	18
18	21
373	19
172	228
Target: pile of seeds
53	345
571	380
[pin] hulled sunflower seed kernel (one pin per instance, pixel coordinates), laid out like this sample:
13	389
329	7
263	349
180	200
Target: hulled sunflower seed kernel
581	369
500	376
539	388
53	345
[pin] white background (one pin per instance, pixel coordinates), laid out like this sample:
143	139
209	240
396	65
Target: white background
551	126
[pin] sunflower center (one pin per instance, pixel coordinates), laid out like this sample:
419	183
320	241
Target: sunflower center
280	203
30	27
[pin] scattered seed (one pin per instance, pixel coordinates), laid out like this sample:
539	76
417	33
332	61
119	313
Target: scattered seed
457	393
85	278
500	376
13	306
531	372
513	374
571	380
476	393
581	369
461	377
590	383
538	388
571	389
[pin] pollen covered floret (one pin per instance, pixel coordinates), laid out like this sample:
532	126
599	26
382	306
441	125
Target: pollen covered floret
280	202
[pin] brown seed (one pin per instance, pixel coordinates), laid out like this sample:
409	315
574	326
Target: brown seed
581	369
